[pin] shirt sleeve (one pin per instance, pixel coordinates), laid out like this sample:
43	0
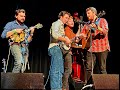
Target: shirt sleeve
55	30
6	29
104	24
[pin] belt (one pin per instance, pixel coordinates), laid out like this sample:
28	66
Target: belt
15	43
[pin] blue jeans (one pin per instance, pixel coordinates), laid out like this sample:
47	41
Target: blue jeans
56	68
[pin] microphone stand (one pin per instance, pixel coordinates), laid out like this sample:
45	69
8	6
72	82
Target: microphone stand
80	24
87	79
91	51
91	55
83	58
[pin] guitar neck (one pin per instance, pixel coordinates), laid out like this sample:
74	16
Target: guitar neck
37	26
28	30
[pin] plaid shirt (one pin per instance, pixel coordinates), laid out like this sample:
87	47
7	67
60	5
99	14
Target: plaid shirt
99	44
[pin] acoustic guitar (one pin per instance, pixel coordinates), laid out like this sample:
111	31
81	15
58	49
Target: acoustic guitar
86	41
19	37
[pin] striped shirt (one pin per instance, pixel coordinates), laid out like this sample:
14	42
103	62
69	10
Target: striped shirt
99	44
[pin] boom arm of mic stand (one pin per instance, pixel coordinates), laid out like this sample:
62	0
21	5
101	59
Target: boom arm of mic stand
83	22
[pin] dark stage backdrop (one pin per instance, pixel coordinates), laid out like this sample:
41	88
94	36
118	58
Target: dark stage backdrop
45	12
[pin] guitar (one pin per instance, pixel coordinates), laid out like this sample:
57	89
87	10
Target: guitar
19	37
86	41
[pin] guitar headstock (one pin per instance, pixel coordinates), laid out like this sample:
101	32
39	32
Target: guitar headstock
101	13
37	26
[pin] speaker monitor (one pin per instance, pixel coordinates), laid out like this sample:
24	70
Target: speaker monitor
106	81
22	80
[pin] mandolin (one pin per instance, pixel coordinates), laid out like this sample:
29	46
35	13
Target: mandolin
19	37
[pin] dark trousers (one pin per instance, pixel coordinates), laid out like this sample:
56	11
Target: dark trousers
97	59
67	68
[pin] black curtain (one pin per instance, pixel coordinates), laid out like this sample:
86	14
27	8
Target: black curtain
39	61
46	13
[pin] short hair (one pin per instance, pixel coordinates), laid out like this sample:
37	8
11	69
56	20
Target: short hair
71	17
62	13
92	9
19	11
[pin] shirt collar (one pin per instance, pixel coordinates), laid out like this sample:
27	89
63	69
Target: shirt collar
15	22
61	22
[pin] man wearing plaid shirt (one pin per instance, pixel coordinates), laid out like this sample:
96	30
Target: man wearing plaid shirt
99	43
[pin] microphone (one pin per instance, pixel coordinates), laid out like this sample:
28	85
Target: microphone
81	18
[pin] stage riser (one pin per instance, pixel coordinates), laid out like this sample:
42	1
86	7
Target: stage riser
22	81
106	81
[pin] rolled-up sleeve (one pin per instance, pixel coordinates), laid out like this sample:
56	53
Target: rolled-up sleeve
55	29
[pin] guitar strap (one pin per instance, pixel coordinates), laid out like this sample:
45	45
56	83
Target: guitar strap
24	44
25	52
96	22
